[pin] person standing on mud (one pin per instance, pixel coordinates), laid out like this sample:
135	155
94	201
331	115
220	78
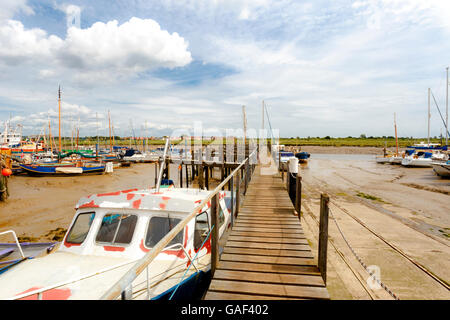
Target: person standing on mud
4	173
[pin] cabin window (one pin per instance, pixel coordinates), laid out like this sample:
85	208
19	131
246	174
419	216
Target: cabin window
80	228
201	229
158	227
117	228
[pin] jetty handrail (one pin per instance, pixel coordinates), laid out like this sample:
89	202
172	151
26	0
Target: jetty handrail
125	282
15	239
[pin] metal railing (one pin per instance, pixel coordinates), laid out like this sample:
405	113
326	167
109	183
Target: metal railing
16	240
123	285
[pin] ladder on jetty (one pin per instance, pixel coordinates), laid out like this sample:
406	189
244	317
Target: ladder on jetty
266	255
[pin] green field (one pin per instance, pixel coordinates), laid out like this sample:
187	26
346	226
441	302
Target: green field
354	142
310	141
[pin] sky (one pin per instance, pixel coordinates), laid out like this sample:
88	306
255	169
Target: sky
339	67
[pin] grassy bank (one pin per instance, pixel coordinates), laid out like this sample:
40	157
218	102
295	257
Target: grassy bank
311	141
353	142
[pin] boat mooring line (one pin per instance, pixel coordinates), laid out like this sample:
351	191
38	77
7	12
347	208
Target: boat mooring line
195	257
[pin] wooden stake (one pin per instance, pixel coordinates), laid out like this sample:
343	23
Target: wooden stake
298	196
323	236
214	235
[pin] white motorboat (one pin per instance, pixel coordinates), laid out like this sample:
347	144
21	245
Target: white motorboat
418	159
109	233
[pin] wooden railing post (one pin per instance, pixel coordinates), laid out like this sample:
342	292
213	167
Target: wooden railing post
298	196
231	187
238	195
323	236
288	178
245	177
214	235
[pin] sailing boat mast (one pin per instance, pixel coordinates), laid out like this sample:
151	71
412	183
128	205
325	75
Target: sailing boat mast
110	141
446	114
396	139
429	115
59	117
245	126
50	136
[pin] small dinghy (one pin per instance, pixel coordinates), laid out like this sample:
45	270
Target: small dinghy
62	169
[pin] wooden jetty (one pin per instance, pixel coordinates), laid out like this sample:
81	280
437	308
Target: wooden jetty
266	255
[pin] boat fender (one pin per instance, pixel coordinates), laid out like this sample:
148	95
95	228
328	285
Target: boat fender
6	172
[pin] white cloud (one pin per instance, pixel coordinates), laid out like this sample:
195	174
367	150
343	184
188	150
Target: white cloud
106	49
9	7
400	12
18	44
136	45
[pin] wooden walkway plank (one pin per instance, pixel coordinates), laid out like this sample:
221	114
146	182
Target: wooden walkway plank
266	259
296	235
268	239
267	277
269	252
275	290
261	267
259	245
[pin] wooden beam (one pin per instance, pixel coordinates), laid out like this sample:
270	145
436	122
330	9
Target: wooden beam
323	236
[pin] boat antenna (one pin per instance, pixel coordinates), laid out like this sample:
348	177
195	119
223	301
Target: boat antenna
163	162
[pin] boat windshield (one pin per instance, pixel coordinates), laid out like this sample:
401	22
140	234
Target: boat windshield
158	227
80	228
117	228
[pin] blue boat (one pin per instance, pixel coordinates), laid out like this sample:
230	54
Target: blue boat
302	156
61	169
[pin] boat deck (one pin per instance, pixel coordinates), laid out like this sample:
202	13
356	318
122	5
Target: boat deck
266	255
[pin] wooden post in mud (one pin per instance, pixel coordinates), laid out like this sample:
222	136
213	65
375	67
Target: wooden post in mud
187	175
200	173
166	168
180	169
222	174
214	234
323	236
206	177
298	196
156	173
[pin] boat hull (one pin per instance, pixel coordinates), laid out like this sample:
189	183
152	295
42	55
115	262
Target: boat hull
382	159
192	288
36	170
441	169
416	162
